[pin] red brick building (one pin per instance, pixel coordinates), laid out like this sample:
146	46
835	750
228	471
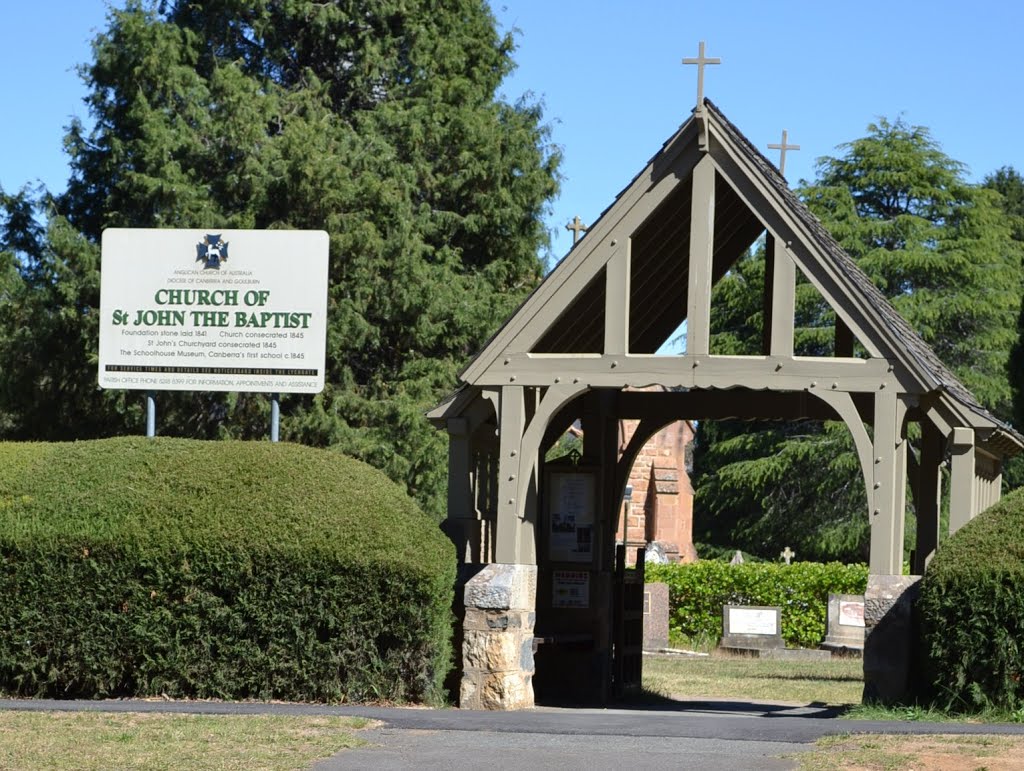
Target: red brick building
657	509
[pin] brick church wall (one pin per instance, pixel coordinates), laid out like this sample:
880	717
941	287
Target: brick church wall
660	508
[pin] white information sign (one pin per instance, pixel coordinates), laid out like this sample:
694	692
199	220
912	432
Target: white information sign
571	509
213	310
570	589
752	621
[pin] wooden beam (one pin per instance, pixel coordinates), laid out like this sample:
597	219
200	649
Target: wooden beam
511	521
783	300
886	522
767	292
747	183
460	493
616	301
571	276
739	404
702	248
776	372
962	478
927	495
553	401
844	406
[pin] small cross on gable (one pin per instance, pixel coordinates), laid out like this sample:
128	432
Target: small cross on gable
701	61
577	227
782	148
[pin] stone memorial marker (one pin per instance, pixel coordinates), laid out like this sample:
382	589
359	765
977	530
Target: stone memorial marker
845	622
746	627
655	616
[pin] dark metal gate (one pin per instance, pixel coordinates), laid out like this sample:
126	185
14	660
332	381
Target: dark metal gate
627	665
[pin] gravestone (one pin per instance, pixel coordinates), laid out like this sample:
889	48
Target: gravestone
750	627
655	616
845	622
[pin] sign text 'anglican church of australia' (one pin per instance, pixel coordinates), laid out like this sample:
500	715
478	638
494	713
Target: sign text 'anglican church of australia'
213	310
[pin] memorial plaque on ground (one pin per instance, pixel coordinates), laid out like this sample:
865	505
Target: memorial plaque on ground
213	310
655	616
845	622
747	627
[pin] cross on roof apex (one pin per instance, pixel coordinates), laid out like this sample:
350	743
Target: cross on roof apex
577	227
782	148
701	61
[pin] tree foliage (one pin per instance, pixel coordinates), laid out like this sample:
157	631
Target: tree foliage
1008	182
942	252
377	122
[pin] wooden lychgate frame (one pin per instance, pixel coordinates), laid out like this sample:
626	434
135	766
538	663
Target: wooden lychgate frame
590	333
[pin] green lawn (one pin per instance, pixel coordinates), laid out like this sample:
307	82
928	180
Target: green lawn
104	740
835	682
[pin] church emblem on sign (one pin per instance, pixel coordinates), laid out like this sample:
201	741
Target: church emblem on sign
212	251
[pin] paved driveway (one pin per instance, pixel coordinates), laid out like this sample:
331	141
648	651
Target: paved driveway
728	735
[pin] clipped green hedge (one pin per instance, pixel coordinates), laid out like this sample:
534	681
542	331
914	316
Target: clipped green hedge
971	614
135	567
698	591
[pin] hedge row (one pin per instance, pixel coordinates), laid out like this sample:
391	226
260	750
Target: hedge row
697	593
132	567
971	614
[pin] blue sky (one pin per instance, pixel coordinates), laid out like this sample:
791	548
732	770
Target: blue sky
613	86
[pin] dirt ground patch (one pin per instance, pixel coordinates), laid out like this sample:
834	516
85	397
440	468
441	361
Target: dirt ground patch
888	752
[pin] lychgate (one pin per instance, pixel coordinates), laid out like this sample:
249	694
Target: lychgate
537	540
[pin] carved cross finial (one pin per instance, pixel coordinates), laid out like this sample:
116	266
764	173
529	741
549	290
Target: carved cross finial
577	227
787	553
701	61
782	148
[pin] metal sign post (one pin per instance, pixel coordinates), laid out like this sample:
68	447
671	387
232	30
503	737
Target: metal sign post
150	413
275	417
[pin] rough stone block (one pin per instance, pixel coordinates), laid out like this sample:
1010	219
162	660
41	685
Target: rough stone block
506	691
888	641
469	692
491	651
526	663
503	587
497	644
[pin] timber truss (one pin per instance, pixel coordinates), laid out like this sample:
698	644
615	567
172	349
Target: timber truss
582	343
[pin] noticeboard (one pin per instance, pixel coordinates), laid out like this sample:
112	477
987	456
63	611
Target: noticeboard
571	502
213	310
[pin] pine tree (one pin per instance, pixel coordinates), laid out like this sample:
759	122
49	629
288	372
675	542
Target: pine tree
377	122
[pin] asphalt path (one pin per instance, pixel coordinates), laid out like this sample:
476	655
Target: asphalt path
683	734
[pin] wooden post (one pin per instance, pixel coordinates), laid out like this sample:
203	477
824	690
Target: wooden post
702	233
509	541
460	494
783	300
929	493
616	303
886	518
962	479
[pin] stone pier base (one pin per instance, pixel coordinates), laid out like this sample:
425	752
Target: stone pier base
888	637
497	643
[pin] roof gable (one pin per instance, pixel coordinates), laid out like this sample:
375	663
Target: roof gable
624	286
